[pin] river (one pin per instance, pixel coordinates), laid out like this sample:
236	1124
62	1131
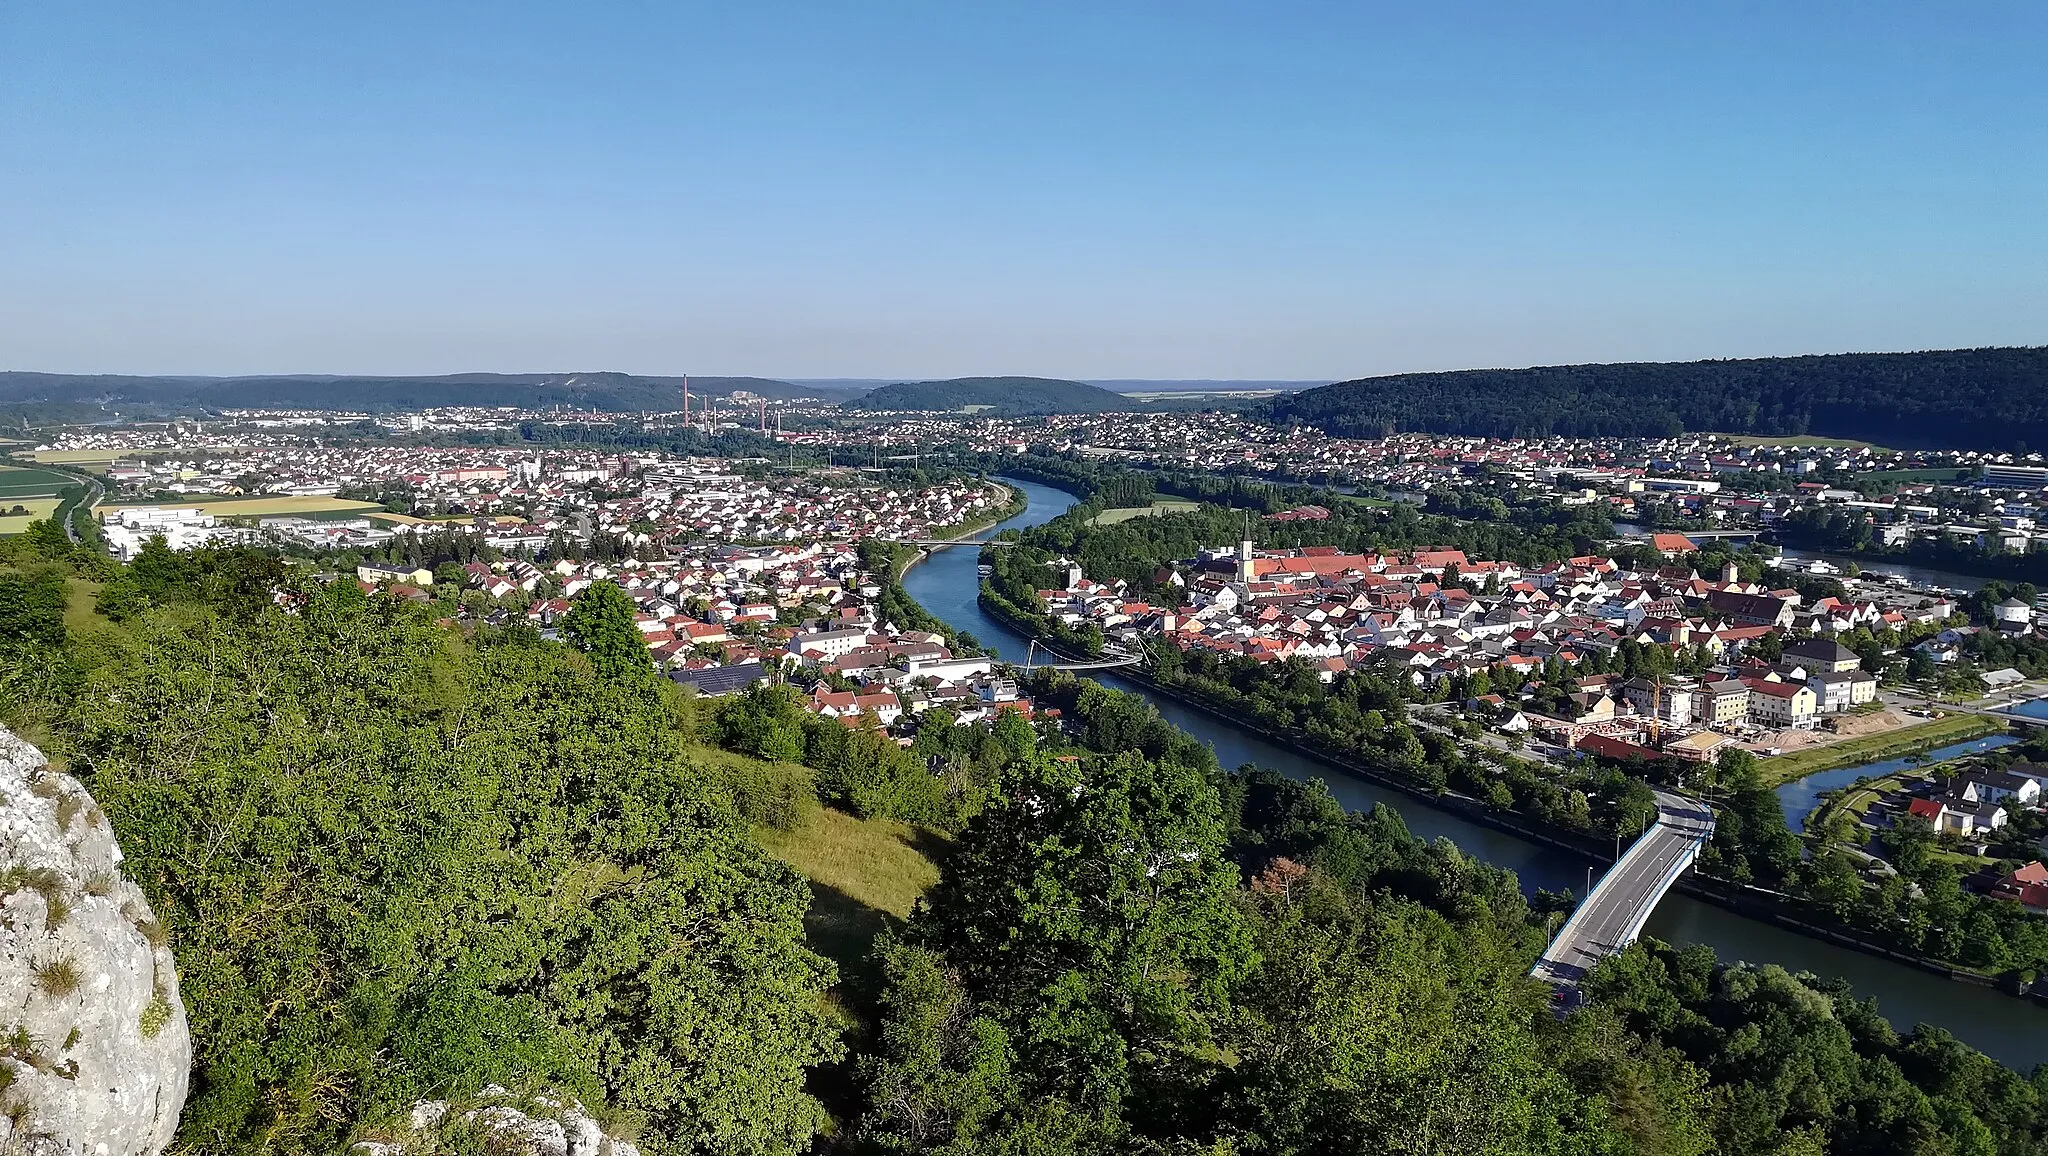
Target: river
1918	577
2010	1030
1799	797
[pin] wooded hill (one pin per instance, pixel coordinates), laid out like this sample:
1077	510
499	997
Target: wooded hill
996	396
1977	398
608	392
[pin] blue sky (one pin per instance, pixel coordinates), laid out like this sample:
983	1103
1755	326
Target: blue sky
874	189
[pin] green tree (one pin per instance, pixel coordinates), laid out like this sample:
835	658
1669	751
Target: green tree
600	623
32	606
428	865
1091	910
940	1071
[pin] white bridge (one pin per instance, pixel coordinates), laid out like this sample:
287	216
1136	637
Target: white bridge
1613	915
1112	660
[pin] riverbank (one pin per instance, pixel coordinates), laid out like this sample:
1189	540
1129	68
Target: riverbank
1017	504
1789	912
1912	740
897	606
1736	930
1966	572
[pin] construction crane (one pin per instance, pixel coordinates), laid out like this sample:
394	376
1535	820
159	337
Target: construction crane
1656	708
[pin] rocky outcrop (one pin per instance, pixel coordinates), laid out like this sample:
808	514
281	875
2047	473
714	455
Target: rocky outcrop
523	1125
95	1052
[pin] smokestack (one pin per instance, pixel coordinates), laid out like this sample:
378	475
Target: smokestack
686	399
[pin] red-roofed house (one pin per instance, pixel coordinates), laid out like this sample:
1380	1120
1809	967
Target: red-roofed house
2028	885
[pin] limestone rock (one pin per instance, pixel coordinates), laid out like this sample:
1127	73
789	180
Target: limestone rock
529	1126
94	1045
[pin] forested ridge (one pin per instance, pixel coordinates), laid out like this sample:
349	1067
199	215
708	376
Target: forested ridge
997	396
1974	398
398	859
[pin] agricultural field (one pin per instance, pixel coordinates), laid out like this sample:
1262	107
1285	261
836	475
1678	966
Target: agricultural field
262	505
1126	513
35	507
85	459
21	481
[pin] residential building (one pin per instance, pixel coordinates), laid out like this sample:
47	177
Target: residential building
1780	705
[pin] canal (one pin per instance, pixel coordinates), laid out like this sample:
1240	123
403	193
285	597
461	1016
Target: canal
2010	1030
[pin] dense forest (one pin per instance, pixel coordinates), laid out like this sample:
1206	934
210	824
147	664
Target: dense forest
1976	398
607	392
995	396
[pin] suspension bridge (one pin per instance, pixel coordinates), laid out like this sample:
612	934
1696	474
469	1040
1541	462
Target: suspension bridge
1112	660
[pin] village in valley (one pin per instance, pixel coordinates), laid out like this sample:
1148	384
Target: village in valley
749	568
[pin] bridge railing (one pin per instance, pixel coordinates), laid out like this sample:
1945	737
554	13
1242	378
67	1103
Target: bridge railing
1664	884
1588	905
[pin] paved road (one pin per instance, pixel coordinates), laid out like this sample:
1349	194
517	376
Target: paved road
1614	912
92	498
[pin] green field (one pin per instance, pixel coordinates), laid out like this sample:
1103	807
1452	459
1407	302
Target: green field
36	491
25	482
1126	513
1910	475
1871	748
865	875
452	519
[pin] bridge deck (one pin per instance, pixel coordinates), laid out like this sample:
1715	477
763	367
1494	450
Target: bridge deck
1613	915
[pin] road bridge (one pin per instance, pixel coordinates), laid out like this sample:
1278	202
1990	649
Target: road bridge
1613	914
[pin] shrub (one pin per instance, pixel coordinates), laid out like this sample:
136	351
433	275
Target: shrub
45	881
778	795
59	977
155	1015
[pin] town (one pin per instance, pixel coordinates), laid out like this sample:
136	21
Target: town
759	566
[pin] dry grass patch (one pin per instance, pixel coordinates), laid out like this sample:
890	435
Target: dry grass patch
865	875
263	505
